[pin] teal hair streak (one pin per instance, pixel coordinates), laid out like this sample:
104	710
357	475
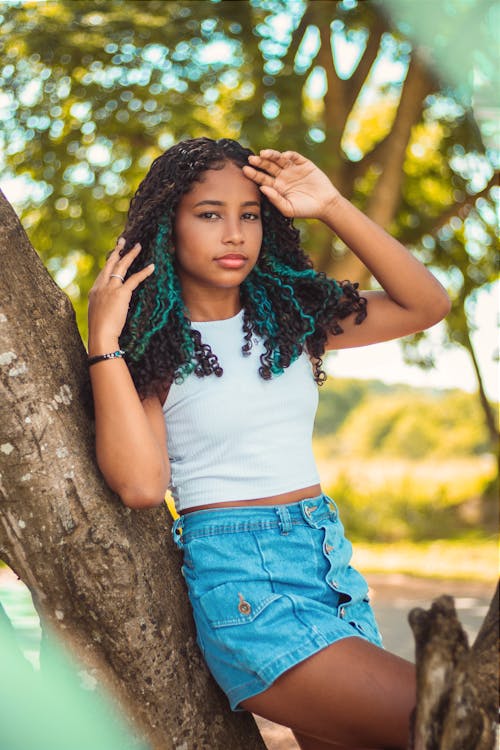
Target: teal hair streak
280	272
308	273
187	345
168	303
266	319
283	270
280	282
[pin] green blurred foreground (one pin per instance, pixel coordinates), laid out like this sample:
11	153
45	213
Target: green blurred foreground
56	708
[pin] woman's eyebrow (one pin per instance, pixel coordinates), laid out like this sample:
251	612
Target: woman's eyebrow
222	203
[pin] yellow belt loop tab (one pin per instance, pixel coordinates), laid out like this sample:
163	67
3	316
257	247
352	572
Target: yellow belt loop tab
171	505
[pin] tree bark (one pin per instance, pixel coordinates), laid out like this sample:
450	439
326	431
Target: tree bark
457	686
104	577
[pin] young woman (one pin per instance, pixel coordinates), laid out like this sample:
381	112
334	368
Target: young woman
214	395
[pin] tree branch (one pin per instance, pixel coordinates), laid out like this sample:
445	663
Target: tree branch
297	36
355	83
336	111
387	194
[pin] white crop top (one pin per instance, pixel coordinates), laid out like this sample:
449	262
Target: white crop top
238	436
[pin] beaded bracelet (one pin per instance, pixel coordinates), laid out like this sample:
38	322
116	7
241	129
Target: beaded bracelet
101	357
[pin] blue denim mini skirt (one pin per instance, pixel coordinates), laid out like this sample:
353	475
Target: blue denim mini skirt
269	587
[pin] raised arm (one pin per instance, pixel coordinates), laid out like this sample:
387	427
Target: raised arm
130	433
412	299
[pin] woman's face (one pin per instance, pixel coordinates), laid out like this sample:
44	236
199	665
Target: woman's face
218	231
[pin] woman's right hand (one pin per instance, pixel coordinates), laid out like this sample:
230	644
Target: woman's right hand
109	298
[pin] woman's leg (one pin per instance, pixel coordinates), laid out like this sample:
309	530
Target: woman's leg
310	743
351	693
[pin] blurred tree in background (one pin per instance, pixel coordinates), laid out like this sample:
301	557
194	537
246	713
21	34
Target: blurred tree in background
94	90
368	418
407	463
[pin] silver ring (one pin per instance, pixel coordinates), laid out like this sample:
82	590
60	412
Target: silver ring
116	276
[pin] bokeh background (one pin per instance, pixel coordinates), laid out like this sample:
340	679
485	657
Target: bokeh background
399	102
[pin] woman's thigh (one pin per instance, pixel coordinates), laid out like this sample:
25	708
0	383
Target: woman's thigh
312	743
351	693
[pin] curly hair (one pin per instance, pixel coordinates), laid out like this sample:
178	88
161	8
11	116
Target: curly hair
288	304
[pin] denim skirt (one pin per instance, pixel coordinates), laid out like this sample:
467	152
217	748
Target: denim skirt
269	587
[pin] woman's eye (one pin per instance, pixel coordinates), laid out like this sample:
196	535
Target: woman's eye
212	216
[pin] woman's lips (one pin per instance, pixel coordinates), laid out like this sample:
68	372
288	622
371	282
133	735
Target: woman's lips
231	260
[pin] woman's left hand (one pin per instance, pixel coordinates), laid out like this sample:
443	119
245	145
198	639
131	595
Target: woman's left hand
296	186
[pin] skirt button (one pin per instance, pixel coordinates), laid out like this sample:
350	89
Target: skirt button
244	607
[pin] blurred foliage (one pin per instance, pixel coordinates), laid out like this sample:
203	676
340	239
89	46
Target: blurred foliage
443	426
367	418
412	510
94	90
340	397
406	463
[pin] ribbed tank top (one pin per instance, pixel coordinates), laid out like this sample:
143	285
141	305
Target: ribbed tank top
238	436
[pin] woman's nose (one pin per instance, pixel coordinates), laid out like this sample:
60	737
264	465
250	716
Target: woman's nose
233	233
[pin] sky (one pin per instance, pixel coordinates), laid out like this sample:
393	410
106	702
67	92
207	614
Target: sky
453	365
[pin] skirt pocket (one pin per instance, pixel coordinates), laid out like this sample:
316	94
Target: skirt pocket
236	602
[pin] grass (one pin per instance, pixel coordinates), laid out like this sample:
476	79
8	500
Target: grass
467	559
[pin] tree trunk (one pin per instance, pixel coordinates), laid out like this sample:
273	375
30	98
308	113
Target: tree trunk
104	577
489	414
386	196
457	686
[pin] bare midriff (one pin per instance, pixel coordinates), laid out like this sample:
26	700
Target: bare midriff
284	498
